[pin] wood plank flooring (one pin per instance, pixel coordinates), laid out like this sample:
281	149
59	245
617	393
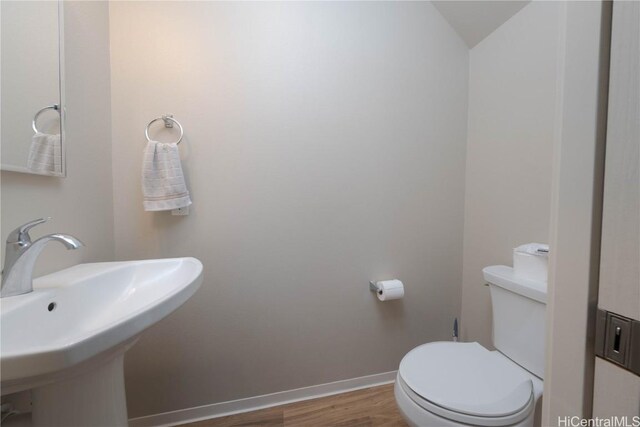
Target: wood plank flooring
375	406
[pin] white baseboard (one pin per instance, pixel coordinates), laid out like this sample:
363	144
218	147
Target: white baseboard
222	409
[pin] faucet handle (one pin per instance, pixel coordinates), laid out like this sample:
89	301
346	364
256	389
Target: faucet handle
21	234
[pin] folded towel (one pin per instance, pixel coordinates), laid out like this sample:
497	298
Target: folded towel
163	184
45	154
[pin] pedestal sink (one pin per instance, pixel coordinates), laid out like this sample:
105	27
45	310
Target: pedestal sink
66	340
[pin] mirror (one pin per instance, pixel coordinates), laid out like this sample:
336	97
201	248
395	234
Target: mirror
32	115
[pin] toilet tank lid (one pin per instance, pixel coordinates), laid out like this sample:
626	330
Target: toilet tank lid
504	277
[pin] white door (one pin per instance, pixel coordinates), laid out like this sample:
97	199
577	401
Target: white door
616	389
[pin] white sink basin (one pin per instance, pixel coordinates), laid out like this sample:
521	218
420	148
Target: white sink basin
77	315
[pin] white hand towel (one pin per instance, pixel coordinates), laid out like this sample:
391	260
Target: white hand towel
163	184
45	154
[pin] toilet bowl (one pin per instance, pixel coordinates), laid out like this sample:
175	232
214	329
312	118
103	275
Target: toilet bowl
463	384
446	384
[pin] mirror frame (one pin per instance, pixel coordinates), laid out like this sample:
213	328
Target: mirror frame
62	100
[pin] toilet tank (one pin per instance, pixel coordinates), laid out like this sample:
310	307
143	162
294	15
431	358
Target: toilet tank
519	312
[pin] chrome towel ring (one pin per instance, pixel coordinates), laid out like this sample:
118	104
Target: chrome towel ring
168	123
55	107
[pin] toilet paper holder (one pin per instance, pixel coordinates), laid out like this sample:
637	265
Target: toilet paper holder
373	287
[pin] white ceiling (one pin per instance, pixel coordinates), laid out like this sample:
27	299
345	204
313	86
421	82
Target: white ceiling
475	20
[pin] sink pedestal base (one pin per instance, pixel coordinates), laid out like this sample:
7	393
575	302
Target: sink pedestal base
92	398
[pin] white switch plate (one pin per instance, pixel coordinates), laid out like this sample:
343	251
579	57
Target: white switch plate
180	211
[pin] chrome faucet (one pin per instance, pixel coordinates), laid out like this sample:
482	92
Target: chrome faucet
21	255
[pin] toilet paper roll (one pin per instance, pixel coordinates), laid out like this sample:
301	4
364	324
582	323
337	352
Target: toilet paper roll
390	290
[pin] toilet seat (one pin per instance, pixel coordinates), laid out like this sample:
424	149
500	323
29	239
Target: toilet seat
467	383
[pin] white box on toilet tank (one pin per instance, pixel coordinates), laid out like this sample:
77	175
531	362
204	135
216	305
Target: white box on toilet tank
531	261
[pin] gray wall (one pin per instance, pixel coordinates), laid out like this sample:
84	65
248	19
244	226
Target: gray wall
82	203
325	146
512	99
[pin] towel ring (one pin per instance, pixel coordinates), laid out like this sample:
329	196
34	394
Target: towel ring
168	122
55	107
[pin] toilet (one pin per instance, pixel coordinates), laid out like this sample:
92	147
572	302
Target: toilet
444	384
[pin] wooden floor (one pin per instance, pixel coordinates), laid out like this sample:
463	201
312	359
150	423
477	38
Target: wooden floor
374	406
